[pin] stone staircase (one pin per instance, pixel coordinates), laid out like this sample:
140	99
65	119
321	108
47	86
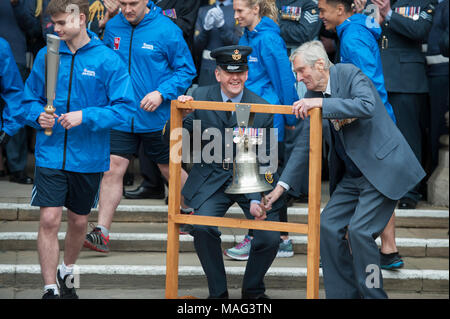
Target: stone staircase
138	244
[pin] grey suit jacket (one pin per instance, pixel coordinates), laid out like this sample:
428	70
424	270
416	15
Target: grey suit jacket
373	141
206	178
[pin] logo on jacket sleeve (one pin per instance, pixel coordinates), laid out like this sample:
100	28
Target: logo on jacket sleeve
116	43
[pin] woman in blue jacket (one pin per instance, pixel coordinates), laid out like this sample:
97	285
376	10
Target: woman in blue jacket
269	71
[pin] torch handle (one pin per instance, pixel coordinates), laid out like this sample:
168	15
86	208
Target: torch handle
49	109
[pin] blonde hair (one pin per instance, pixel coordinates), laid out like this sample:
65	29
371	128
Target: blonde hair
267	8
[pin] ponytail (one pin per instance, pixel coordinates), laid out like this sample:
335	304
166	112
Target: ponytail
267	8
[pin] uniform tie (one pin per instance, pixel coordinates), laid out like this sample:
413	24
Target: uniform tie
228	113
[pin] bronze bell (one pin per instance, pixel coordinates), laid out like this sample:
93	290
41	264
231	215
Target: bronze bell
246	177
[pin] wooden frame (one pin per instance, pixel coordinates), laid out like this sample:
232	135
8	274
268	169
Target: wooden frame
312	229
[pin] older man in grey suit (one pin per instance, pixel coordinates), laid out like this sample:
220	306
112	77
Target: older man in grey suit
371	166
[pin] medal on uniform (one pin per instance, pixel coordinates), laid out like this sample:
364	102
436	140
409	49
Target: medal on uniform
255	135
291	13
409	12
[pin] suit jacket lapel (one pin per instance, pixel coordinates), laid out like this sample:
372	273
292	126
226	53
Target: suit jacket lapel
334	87
334	82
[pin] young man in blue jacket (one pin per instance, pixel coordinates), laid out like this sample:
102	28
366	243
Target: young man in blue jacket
358	35
161	68
93	94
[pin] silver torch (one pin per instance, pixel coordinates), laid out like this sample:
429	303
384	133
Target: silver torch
51	74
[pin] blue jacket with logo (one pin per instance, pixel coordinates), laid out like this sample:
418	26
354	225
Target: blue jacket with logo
11	89
157	58
358	45
93	80
269	69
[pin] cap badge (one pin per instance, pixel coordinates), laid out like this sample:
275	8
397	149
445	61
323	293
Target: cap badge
236	56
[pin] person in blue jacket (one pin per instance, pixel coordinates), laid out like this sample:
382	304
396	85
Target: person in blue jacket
161	68
11	90
358	35
269	75
93	94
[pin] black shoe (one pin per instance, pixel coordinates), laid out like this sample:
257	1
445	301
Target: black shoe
254	296
66	292
50	294
407	203
221	296
2	173
391	261
144	193
128	179
20	177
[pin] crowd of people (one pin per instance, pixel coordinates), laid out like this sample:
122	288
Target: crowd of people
378	69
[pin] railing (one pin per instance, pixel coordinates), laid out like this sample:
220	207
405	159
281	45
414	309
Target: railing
311	229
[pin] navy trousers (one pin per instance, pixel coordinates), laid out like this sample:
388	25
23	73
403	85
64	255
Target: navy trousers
207	244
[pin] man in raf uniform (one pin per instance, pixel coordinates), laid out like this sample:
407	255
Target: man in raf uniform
405	26
299	21
205	187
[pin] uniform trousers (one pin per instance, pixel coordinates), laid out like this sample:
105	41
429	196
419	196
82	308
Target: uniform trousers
207	244
409	112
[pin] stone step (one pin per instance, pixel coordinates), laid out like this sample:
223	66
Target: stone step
147	271
201	293
156	213
152	237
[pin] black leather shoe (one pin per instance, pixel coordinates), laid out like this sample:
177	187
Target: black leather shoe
222	296
128	179
407	203
144	193
254	296
20	177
